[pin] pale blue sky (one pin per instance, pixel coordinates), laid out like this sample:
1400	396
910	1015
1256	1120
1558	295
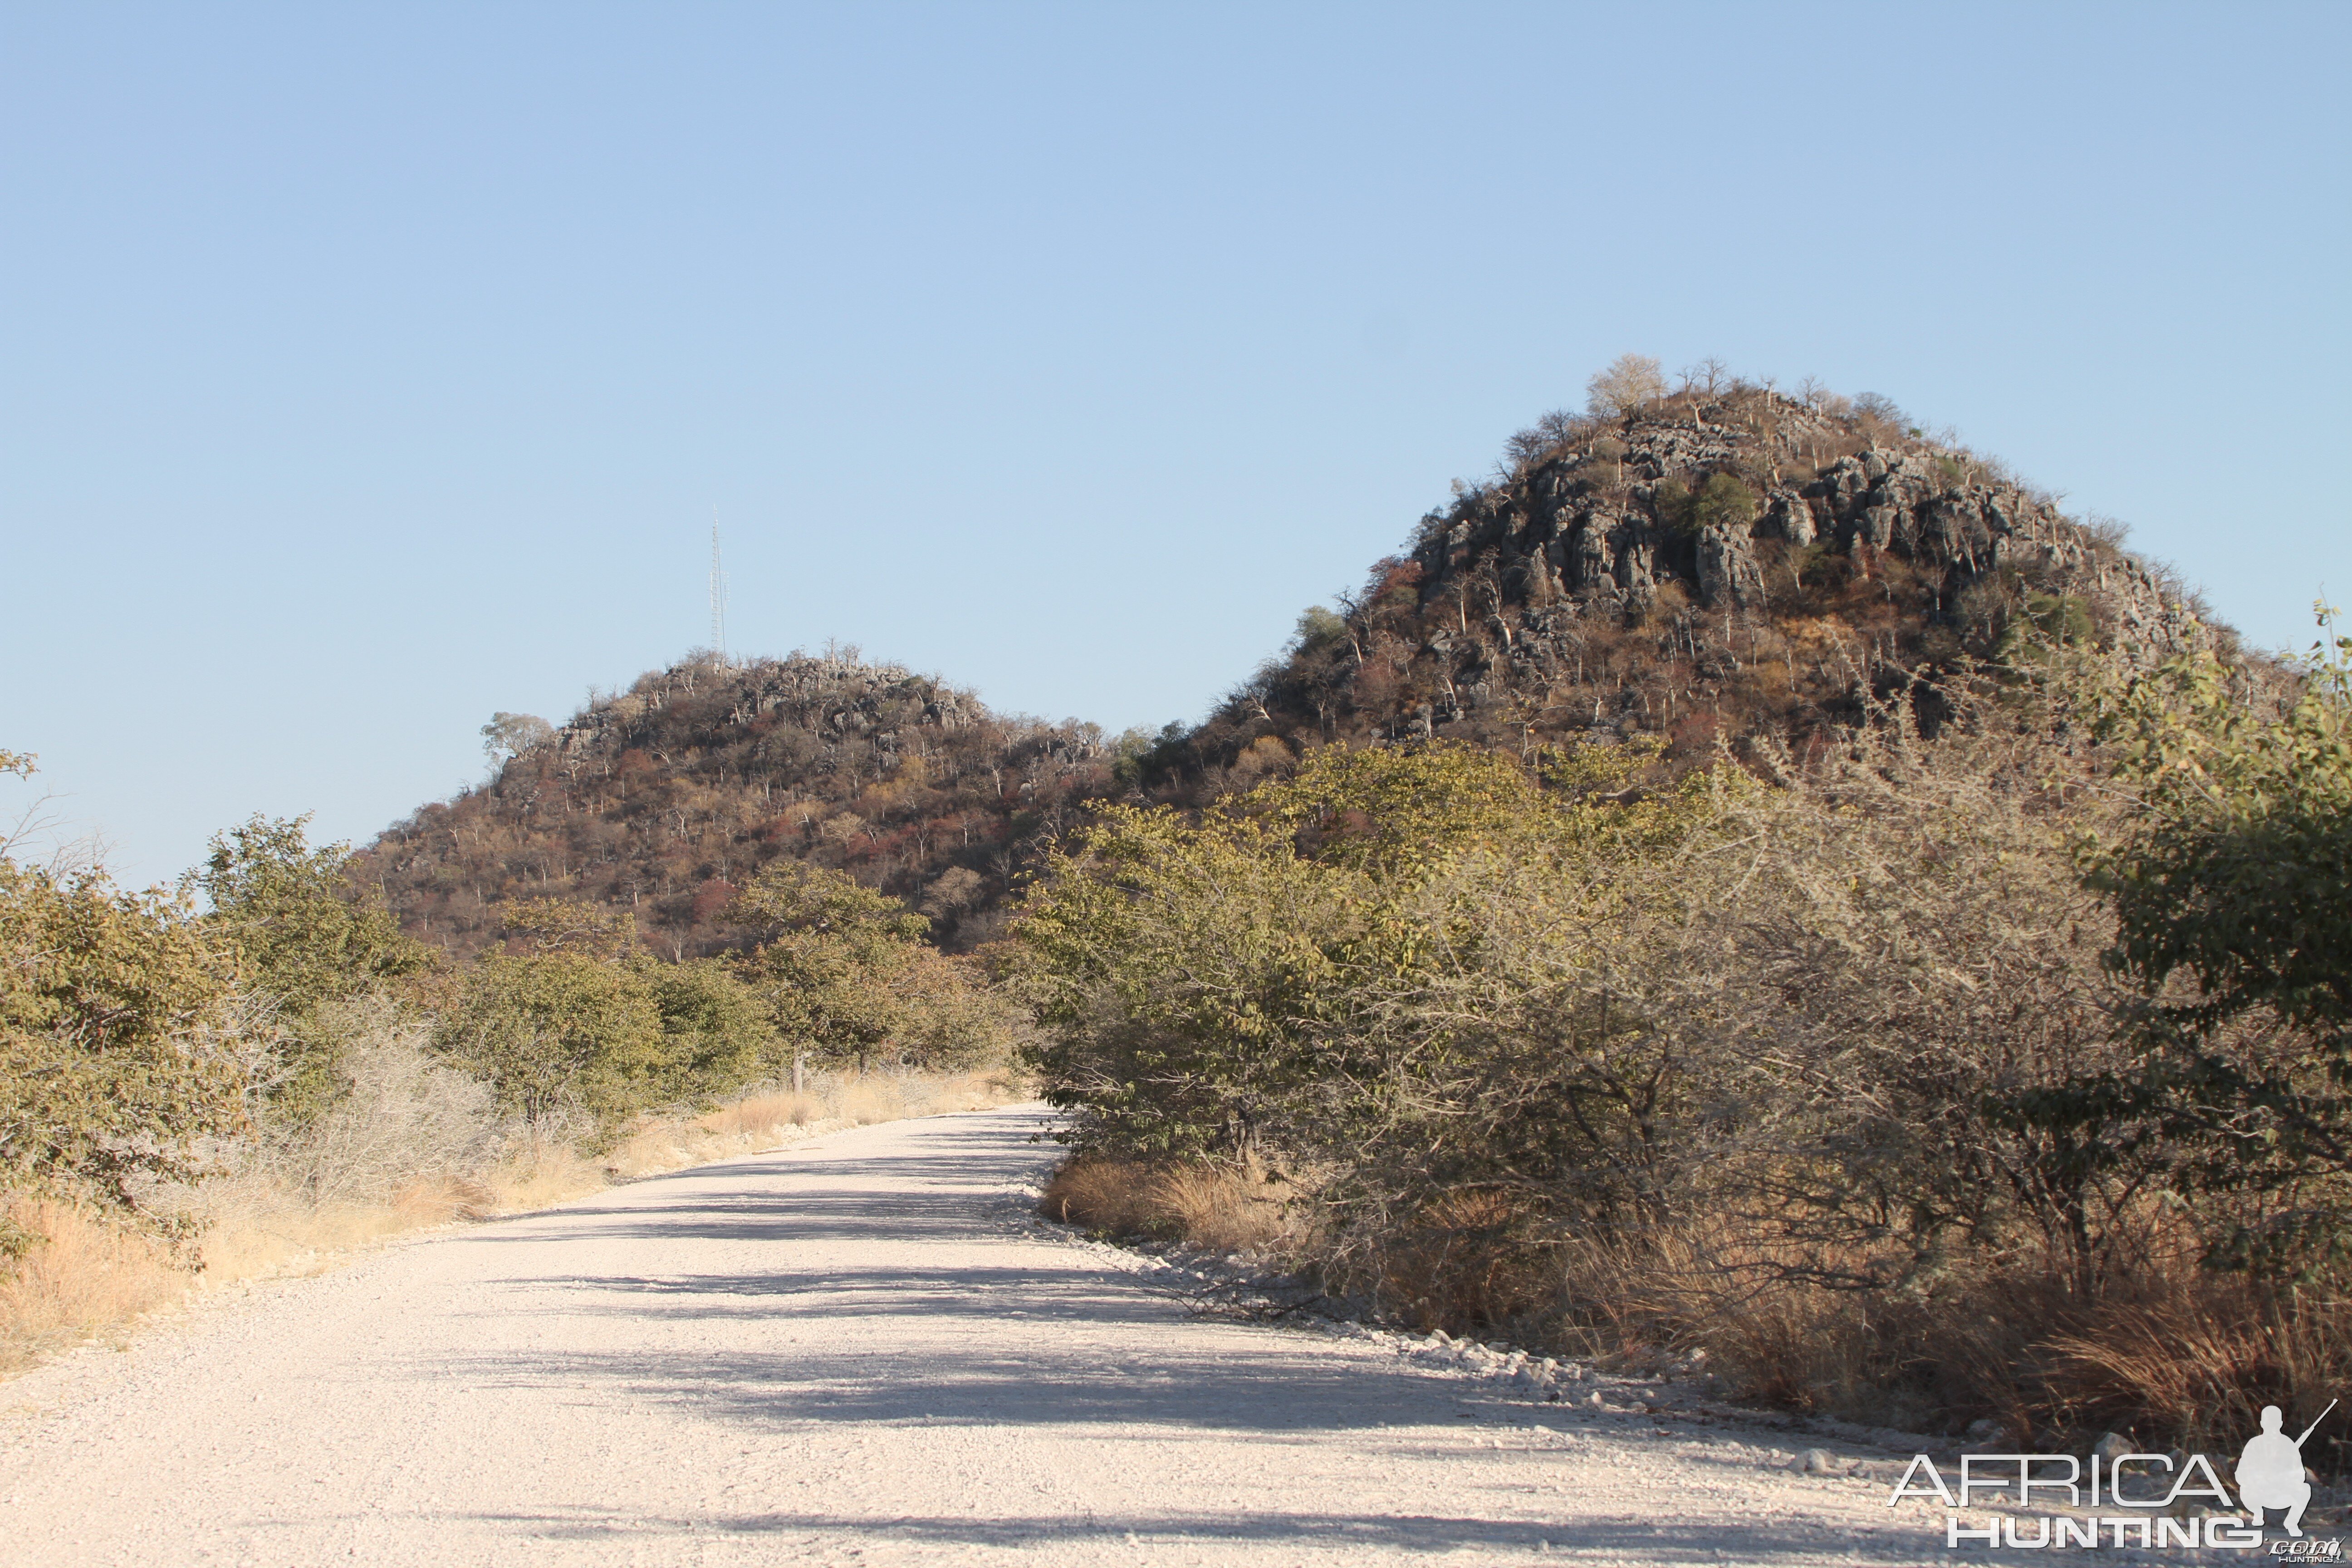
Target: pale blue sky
365	369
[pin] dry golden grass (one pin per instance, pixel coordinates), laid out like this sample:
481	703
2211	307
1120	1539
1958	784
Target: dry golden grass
90	1275
84	1276
258	1230
1473	1261
1212	1206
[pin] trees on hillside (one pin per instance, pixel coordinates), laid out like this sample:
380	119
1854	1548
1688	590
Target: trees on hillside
510	736
669	798
1629	381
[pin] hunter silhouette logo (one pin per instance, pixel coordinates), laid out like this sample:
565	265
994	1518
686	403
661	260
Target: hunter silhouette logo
2270	1472
2154	1487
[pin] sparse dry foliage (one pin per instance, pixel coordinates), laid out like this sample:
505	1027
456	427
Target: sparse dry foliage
1630	381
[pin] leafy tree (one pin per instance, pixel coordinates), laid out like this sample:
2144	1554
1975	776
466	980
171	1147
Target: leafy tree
303	935
954	1018
512	734
1319	627
1720	501
293	917
2231	880
716	1034
119	1050
568	925
1723	502
799	897
2238	865
554	1031
844	973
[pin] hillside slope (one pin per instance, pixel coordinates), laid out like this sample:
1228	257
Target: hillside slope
665	799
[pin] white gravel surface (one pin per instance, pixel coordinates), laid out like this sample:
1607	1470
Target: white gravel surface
862	1349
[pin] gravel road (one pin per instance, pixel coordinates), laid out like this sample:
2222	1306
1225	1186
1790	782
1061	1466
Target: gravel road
861	1349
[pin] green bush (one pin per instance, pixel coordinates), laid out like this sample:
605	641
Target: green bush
1720	501
845	976
716	1035
120	1045
554	1032
303	935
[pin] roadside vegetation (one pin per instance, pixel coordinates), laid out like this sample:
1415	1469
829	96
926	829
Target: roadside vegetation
246	1073
1987	1059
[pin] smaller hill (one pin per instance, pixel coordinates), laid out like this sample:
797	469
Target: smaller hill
665	799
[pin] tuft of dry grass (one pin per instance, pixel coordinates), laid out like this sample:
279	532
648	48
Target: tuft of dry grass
1474	1261
1217	1207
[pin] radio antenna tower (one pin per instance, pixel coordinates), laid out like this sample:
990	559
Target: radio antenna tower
717	597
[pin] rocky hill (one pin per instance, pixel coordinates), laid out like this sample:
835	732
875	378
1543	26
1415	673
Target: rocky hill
1711	563
664	799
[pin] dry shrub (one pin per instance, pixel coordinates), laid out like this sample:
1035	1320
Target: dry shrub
1774	1335
82	1274
1470	1260
1217	1207
2172	1353
1110	1197
411	1143
405	1118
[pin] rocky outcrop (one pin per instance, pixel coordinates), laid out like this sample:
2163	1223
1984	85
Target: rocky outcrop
830	695
1747	560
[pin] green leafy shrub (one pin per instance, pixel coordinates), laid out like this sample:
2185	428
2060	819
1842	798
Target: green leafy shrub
303	935
552	1032
122	1046
845	976
1720	500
